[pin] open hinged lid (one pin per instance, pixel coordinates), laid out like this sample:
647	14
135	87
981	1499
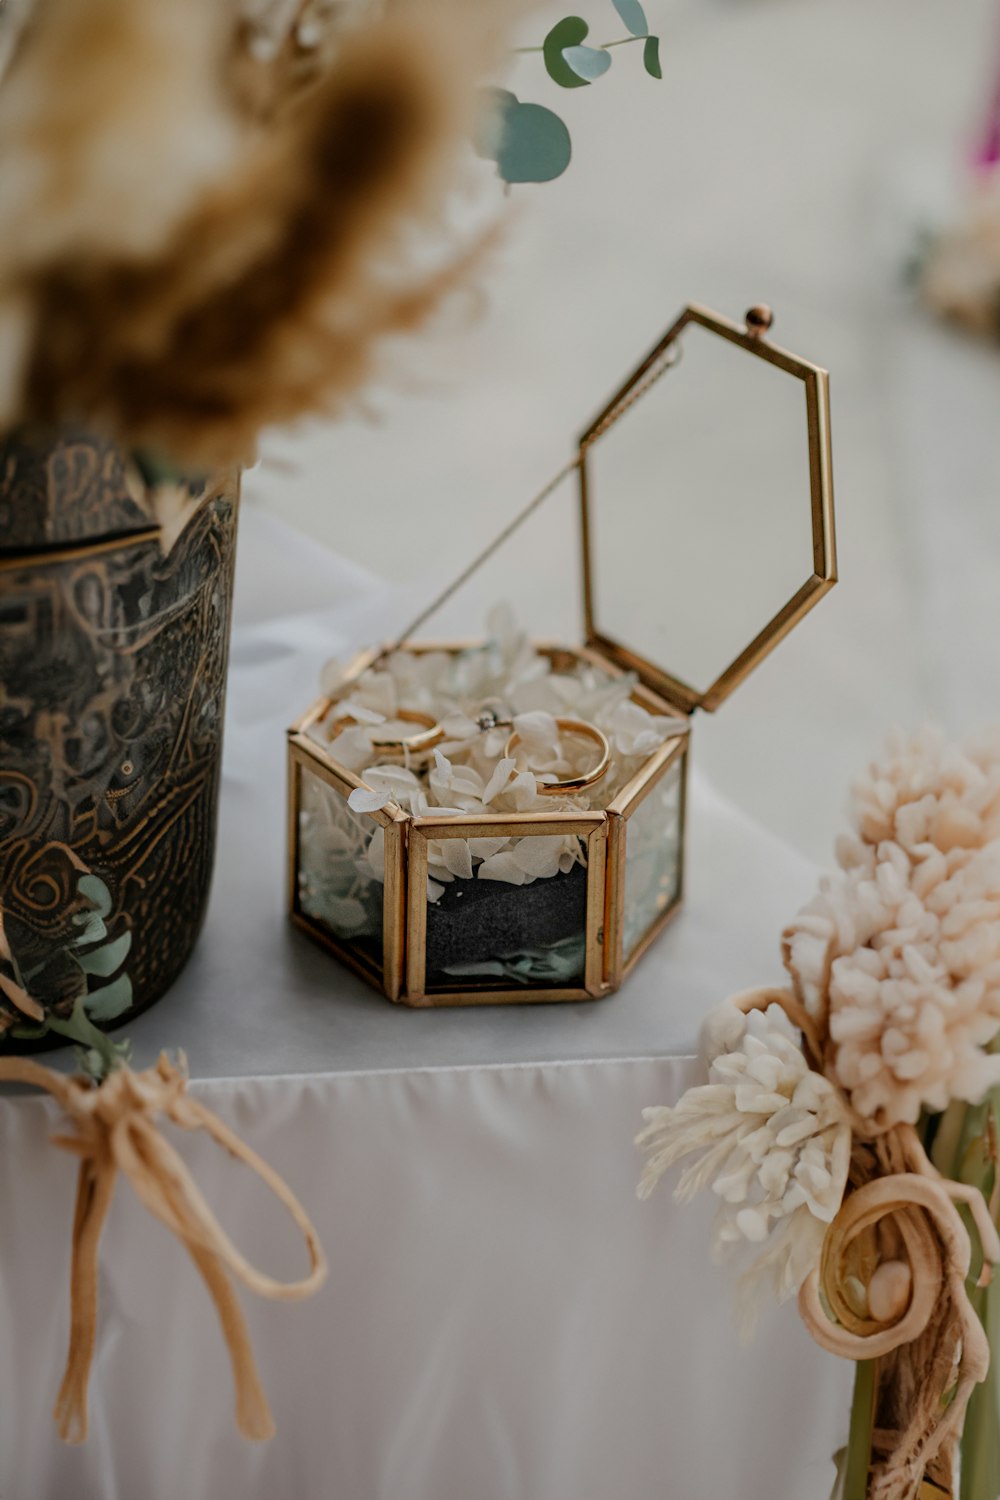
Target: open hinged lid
706	507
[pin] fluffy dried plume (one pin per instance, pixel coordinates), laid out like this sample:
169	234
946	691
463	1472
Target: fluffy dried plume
112	121
190	274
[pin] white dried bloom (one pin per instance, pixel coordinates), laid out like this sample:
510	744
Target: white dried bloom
460	791
905	963
634	732
770	1138
406	679
928	793
341	862
899	956
385	786
470	773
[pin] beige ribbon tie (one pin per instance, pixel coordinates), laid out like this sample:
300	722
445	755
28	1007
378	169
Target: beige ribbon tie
116	1131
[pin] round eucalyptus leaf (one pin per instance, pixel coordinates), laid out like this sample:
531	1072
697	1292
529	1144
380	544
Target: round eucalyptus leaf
535	147
96	892
633	16
491	121
110	1002
569	32
107	960
588	62
651	57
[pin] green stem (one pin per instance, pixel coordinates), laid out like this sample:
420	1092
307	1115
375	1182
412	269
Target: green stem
981	1432
601	46
859	1440
980	1441
79	1028
948	1136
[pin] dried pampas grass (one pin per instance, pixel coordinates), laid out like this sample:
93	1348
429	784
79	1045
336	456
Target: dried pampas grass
187	274
111	121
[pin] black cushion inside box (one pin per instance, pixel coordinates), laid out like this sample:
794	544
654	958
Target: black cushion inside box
476	920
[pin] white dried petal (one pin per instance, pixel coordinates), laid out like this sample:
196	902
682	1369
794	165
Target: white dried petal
375	854
456	856
468	773
498	781
502	867
752	1225
486	848
538	857
769	1137
368	799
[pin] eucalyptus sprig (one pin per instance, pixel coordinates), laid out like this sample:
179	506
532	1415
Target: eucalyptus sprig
531	143
96	959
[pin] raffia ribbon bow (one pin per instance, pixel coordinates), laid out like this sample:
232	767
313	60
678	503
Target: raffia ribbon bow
116	1131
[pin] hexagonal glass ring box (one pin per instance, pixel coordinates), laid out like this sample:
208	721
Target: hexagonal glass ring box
706	532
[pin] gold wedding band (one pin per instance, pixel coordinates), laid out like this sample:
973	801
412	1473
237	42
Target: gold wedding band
572	783
426	738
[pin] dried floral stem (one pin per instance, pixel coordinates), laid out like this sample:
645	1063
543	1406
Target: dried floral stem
895	975
980	1473
943	1351
960	1131
935	1350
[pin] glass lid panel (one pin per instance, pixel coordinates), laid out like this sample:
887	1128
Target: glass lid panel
700	509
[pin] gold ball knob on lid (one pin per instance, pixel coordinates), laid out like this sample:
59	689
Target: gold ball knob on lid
759	319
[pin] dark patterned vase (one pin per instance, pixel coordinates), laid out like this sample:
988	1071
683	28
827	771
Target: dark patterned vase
114	637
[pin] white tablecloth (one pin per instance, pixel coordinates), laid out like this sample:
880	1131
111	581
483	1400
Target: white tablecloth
503	1319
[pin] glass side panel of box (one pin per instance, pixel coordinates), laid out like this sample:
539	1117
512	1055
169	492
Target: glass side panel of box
653	857
523	926
341	868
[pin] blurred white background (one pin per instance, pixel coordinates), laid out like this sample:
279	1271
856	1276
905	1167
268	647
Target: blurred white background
778	161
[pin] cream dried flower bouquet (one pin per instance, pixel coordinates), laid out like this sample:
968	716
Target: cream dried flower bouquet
511	734
849	1123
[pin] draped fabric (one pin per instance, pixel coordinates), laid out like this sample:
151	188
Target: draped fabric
503	1320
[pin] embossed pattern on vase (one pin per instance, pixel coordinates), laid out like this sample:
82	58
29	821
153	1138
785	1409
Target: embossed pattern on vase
112	676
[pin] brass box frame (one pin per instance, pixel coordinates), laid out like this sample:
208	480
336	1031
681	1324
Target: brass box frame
402	976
